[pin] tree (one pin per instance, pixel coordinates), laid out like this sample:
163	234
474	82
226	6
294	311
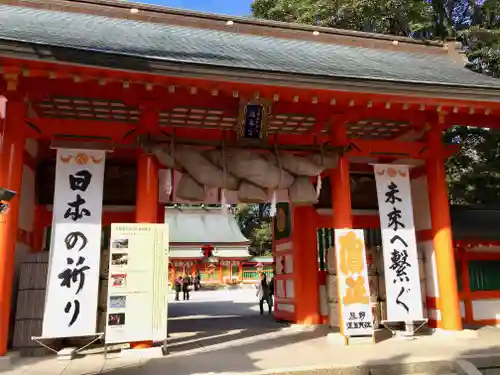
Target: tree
398	17
255	223
439	19
472	173
482	47
262	238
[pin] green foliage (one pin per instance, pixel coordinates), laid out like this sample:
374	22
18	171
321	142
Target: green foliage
483	50
255	223
474	173
399	17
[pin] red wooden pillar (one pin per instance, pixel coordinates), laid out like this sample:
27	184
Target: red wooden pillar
305	260
146	207
12	142
449	304
161	213
341	201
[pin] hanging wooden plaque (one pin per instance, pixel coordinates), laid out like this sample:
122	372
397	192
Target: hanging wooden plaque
253	120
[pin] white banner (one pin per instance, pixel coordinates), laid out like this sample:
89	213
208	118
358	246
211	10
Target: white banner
353	282
75	248
402	279
138	283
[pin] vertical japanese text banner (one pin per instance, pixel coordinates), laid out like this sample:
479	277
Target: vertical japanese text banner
401	268
75	249
353	282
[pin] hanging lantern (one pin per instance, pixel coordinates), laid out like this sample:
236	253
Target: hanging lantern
207	251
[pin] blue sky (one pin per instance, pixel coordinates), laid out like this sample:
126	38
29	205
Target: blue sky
231	7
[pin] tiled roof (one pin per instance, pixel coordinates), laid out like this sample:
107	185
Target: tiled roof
475	223
203	227
224	49
261	259
231	252
183	252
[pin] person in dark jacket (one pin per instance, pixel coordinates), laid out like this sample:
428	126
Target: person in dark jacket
271	291
263	294
186	282
197	281
177	287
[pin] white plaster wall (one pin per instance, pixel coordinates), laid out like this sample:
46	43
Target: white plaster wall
323	300
31	147
435	314
431	280
3	101
106	208
420	200
486	309
422	219
27	200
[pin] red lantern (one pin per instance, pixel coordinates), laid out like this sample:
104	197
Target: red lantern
207	250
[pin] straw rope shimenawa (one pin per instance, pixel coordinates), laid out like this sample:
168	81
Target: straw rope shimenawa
259	174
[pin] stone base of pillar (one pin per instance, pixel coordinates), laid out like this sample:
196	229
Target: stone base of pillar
335	338
152	352
379	335
7	361
463	334
306	327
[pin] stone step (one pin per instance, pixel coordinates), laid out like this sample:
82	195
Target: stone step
421	367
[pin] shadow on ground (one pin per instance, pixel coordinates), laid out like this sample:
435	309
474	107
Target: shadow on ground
225	333
193	325
401	364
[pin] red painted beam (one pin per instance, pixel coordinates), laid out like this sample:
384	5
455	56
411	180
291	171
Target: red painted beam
116	132
40	88
48	127
135	96
392	149
45	68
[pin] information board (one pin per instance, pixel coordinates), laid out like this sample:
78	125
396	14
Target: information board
138	283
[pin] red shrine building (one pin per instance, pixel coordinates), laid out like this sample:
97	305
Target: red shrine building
342	129
208	241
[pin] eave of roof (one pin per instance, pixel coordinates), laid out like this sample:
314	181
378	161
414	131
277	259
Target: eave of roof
475	223
240	57
203	227
263	259
164	14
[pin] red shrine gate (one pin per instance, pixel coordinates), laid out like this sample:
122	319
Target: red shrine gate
112	83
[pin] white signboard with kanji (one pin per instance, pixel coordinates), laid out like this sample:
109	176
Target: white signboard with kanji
73	277
401	268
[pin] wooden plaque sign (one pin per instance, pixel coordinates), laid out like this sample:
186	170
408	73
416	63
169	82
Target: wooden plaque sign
253	120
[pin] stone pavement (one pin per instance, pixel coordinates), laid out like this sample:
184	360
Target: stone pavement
222	333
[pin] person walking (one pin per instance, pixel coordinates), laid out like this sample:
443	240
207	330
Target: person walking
271	291
263	294
177	287
186	282
197	281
